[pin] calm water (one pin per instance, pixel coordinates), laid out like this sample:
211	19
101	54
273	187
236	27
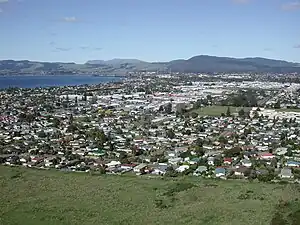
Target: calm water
48	81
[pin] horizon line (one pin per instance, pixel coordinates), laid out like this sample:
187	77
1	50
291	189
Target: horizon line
130	58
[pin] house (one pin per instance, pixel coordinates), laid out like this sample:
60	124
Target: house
175	161
140	168
182	168
193	161
281	151
210	161
266	156
200	170
220	172
127	167
24	159
227	161
36	159
160	169
292	164
240	171
246	163
96	152
170	154
286	173
113	164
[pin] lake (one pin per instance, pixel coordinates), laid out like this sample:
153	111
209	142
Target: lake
27	81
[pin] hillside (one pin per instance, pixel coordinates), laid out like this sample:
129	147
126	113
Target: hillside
30	197
202	63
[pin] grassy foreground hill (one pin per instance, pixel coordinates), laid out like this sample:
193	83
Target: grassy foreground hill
33	197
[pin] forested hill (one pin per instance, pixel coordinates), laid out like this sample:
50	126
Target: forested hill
201	63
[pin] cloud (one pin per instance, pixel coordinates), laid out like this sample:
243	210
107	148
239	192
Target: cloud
98	49
268	49
240	1
63	49
3	1
297	46
1	10
84	47
52	43
71	19
291	6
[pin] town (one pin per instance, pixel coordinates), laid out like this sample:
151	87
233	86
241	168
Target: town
226	127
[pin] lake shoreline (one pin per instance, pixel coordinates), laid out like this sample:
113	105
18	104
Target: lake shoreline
45	81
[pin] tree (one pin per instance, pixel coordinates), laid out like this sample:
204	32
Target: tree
162	160
187	132
199	142
42	134
201	128
228	113
170	134
94	100
170	172
84	98
102	170
223	140
199	150
247	172
134	150
55	161
123	157
266	177
236	151
242	112
185	154
209	98
278	219
217	161
289	153
98	136
194	115
2	160
256	115
277	105
153	159
197	104
111	146
72	128
56	122
168	108
161	108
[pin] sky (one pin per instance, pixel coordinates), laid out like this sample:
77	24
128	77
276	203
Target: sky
150	30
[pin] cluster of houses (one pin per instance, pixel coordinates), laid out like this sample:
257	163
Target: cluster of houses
136	128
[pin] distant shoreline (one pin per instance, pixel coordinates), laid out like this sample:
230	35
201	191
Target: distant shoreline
42	81
53	75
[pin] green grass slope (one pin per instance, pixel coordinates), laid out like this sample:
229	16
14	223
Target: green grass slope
32	197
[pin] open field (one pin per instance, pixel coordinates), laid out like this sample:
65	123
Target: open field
288	110
218	110
30	197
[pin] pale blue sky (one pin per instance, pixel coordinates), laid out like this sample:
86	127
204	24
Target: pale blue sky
156	30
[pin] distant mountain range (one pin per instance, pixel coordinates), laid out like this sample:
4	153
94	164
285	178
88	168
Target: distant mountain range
201	63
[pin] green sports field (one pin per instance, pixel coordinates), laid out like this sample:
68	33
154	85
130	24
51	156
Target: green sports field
216	110
34	197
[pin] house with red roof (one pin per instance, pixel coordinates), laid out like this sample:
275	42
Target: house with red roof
266	156
227	161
